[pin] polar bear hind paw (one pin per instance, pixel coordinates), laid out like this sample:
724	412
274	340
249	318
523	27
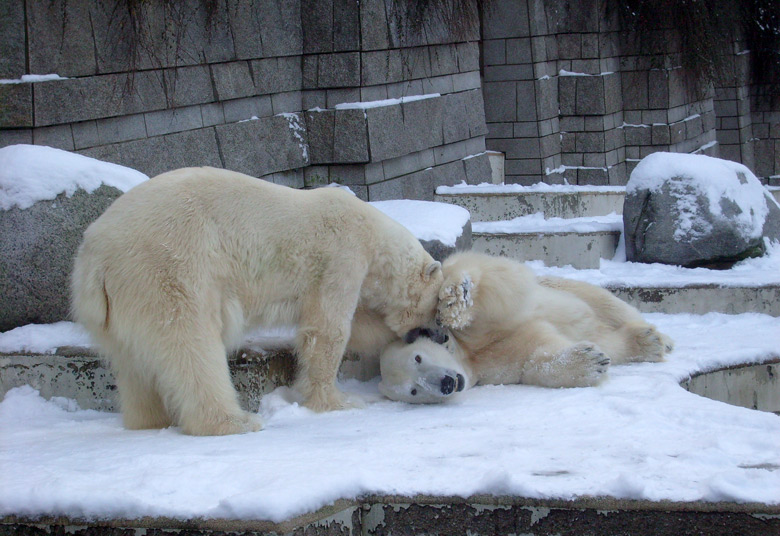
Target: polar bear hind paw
240	424
455	302
652	344
322	400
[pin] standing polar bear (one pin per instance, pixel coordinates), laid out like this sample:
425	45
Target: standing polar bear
175	271
508	327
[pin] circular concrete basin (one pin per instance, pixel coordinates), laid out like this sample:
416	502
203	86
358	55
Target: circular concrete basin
749	386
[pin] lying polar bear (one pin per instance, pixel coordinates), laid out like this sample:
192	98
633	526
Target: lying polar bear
509	327
173	274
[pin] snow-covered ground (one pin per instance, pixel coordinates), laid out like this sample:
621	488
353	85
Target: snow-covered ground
639	435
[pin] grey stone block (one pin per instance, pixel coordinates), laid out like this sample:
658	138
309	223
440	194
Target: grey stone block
401	129
277	23
635	89
468	57
187	86
590	98
320	126
168	121
414	186
15	136
499	73
477	169
60	38
317	25
500	101
466	81
37	247
309	72
340	96
232	80
547	104
346	25
504	19
338	70
314	99
94	97
405	89
590	45
119	129
569	46
526	101
438	84
567	95
162	153
243	109
658	80
288	102
351	175
277	75
373	25
12	40
494	52
590	142
291	179
16	105
519	51
350	140
59	136
410	163
315	176
85	134
381	67
212	114
449	174
455	126
265	145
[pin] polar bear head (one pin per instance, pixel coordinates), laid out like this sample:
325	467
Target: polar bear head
420	370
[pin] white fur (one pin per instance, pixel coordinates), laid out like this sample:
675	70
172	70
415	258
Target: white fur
512	327
174	273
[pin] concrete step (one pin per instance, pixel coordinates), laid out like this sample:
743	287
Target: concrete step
580	250
499	203
579	242
505	202
701	299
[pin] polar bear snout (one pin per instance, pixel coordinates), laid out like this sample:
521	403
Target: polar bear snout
452	384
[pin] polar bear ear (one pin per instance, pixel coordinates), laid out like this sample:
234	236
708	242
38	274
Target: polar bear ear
431	268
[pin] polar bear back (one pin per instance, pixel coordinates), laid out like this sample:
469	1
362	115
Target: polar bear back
254	246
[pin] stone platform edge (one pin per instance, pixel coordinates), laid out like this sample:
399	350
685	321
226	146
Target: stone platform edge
478	514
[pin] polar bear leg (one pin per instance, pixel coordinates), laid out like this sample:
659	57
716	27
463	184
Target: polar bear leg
142	407
558	362
323	332
194	381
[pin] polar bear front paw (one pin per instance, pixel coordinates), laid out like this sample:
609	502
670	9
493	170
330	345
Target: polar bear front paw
322	400
584	365
455	303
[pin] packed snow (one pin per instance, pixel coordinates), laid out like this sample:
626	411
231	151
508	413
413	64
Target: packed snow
364	105
537	223
32	173
32	78
637	436
487	188
427	220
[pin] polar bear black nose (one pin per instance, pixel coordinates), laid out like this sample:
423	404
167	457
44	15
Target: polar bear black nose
447	385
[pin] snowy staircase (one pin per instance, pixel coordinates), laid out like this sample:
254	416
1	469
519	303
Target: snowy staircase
577	227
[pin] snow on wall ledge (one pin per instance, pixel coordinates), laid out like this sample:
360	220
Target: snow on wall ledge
32	173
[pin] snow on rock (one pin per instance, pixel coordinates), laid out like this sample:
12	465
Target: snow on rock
691	210
43	338
428	220
639	435
488	188
32	173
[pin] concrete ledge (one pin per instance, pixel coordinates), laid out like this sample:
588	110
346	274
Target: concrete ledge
749	386
580	250
702	299
476	515
506	206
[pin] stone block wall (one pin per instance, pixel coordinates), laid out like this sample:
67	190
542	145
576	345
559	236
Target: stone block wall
566	97
271	88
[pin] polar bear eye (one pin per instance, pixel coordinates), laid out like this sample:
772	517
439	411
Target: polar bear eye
418	358
414	392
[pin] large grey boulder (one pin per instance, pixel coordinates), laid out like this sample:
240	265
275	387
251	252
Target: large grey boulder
695	210
48	198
